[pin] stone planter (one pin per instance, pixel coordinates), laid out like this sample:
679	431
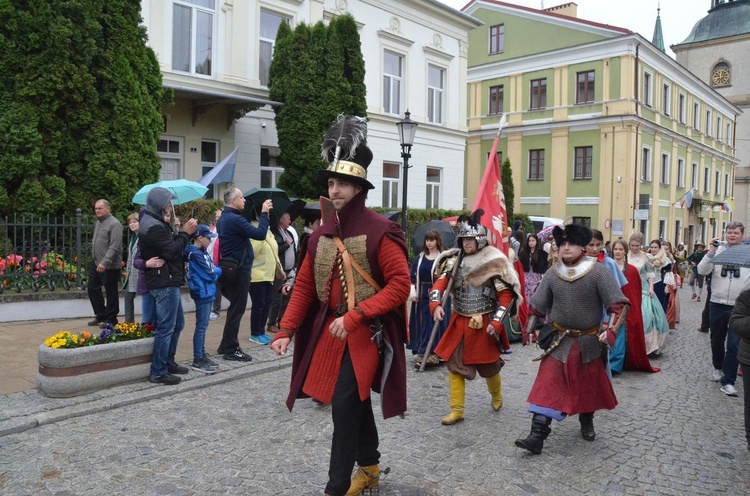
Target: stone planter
69	372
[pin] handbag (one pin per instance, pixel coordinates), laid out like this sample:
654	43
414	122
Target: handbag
230	267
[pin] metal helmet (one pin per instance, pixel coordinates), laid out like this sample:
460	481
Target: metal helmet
473	229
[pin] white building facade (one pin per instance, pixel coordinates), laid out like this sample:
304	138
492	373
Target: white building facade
215	54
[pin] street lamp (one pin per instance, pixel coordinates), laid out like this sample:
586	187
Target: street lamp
406	130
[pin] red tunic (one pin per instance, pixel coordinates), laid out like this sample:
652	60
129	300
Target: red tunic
323	372
479	346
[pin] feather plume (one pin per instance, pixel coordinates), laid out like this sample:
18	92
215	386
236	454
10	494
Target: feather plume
476	217
343	137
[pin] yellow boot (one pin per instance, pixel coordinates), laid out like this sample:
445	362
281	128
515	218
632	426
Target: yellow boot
494	386
364	478
458	390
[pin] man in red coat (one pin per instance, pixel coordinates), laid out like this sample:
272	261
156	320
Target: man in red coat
346	313
483	291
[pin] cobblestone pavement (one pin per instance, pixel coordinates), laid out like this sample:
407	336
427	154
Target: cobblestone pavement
673	433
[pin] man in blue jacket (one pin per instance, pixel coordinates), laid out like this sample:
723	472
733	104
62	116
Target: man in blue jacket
156	239
235	231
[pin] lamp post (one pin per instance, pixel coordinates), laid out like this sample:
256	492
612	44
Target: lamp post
406	130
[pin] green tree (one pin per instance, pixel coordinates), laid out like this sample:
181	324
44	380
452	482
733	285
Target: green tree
507	178
317	73
80	105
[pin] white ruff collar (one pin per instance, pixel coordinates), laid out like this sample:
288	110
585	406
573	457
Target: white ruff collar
571	273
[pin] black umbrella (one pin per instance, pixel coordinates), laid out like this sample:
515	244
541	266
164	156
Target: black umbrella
256	196
311	211
296	208
738	256
444	228
393	215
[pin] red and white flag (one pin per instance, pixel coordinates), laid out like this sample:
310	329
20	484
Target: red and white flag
491	199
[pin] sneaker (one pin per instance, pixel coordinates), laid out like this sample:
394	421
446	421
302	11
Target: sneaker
272	329
207	359
202	366
95	323
214	316
729	390
717	375
267	338
259	339
238	356
168	379
699	299
173	368
694	296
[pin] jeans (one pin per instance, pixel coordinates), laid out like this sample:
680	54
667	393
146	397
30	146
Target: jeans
723	359
355	435
237	296
171	320
202	312
110	280
262	295
148	309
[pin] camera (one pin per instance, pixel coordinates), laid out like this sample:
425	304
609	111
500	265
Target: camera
718	243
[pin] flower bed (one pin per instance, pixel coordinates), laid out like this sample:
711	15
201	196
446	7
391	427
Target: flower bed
73	364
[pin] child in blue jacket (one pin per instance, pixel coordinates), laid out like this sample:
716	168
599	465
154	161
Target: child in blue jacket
202	277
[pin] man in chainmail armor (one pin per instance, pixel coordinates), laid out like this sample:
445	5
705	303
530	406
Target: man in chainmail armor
572	376
484	290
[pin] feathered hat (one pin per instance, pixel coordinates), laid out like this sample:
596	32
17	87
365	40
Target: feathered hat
573	233
345	150
472	228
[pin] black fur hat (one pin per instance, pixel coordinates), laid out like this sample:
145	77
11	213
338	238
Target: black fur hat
574	234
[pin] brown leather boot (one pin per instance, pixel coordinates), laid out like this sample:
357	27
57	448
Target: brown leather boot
364	478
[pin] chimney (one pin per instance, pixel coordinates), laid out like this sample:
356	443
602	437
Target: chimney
569	9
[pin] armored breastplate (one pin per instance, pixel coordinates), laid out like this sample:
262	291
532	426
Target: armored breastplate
468	300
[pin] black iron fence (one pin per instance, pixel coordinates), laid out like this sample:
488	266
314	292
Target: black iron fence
42	252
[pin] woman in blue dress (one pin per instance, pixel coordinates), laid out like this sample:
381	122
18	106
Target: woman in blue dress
421	321
655	325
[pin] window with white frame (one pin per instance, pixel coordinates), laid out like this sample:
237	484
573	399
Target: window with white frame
729	134
582	168
708	123
696	116
269	26
680	172
717	183
646	165
536	165
694	177
391	179
726	184
664	179
714	230
683	108
724	226
434	178
719	129
435	89
677	232
497	39
647	88
704	230
538	94
209	159
192	36
706	179
170	153
662	229
666	99
271	167
393	70
497	94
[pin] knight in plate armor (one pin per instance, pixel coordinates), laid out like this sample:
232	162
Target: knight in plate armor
484	288
572	376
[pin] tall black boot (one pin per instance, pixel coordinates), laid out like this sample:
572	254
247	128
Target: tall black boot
587	426
540	429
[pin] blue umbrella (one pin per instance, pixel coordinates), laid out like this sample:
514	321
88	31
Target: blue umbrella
184	190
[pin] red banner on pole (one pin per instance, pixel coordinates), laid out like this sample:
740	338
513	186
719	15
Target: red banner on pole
491	199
